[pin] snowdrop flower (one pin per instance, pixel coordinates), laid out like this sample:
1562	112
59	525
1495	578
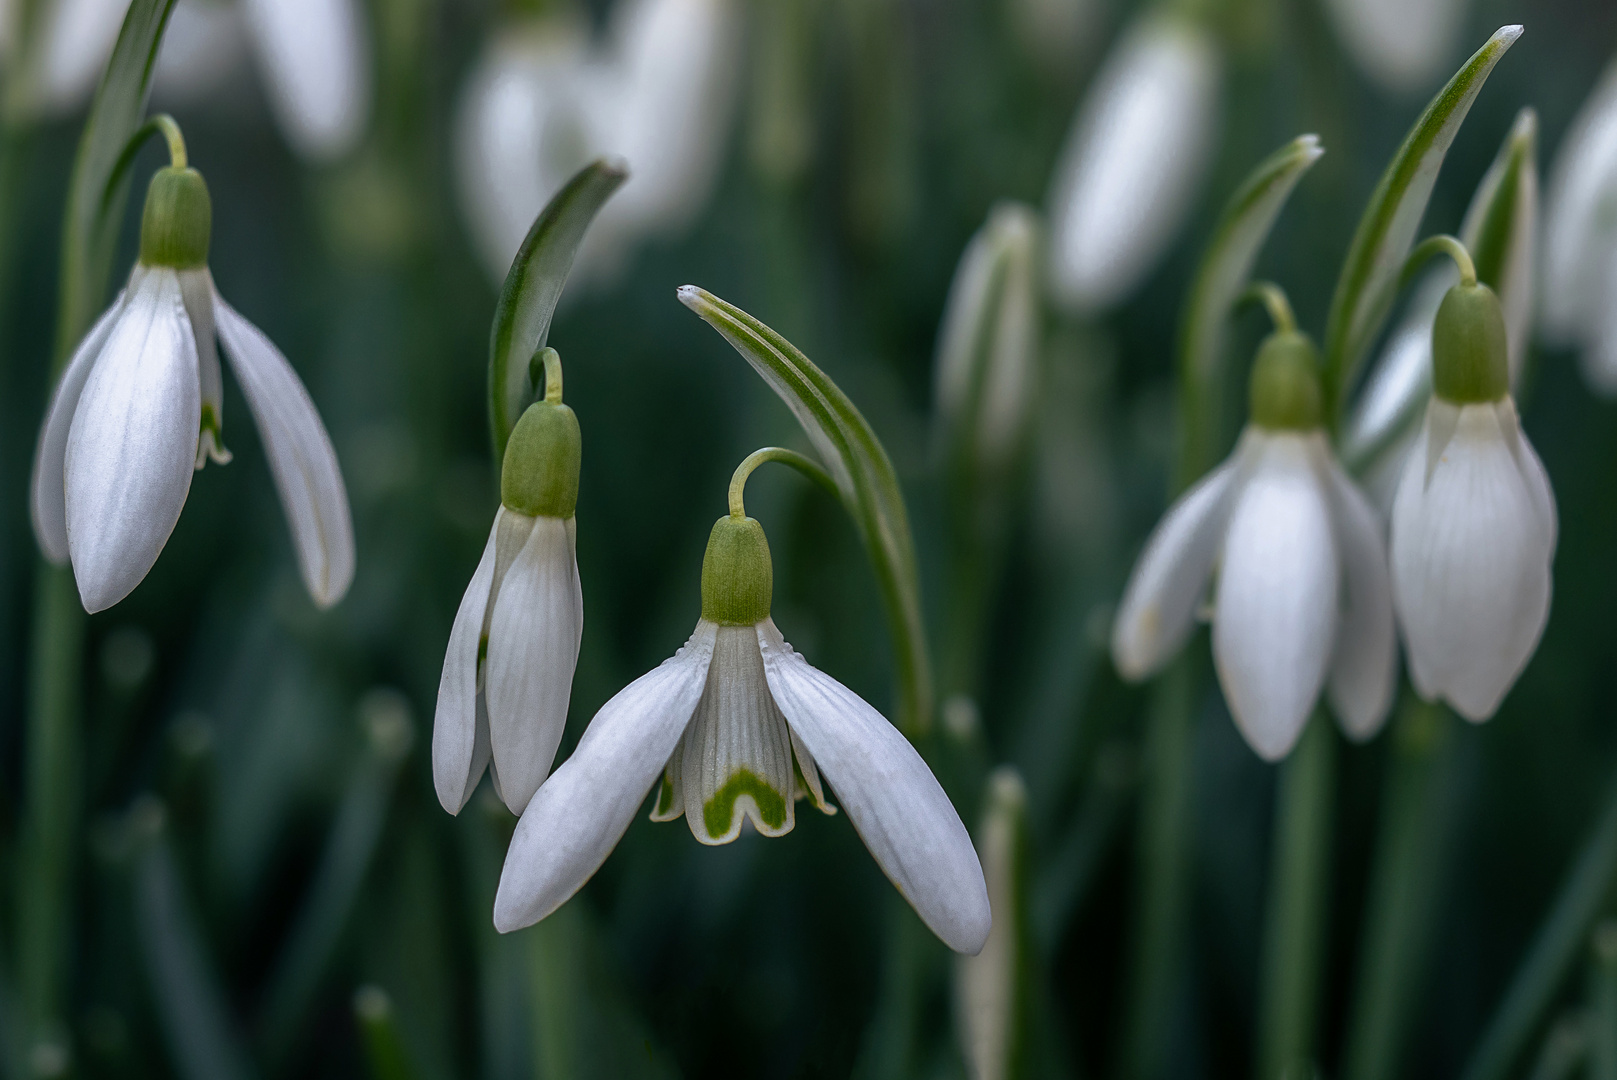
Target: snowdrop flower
1402	45
738	727
1301	599
989	999
508	670
138	410
1474	522
1133	161
1580	238
544	100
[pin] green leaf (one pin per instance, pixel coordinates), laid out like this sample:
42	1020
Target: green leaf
532	287
863	474
1225	268
1369	279
99	189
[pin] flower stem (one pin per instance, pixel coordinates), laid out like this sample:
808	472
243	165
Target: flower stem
802	463
1273	299
1603	1003
546	363
170	130
1295	922
1441	244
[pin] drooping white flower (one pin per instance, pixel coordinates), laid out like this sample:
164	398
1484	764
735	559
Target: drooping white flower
508	670
1473	522
1580	236
1301	597
1402	45
138	410
545	99
739	727
1133	161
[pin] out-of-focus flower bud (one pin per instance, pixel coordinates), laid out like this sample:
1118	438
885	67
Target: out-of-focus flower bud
990	988
1402	45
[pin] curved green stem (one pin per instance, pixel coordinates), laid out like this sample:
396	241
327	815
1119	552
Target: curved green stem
1273	299
1441	244
802	463
550	359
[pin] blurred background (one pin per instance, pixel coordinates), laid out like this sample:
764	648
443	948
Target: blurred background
262	881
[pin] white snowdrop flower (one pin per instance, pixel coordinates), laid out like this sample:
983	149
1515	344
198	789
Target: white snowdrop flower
988	987
1133	161
138	410
1301	599
1402	45
1473	523
1580	237
544	100
739	727
508	670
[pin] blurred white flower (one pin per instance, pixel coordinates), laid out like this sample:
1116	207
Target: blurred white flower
1402	45
1133	161
1580	238
988	986
138	410
544	100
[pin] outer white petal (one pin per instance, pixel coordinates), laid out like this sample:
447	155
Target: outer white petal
578	815
1133	161
532	646
1402	44
136	420
77	39
1274	623
196	288
1159	603
300	456
460	741
316	59
48	501
892	798
1578	224
1470	561
1365	666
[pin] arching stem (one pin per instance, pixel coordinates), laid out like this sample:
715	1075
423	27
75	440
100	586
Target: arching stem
1273	299
1441	244
803	464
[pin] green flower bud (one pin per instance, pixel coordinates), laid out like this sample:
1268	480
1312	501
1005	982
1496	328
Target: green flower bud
178	220
738	578
540	474
1285	393
1469	353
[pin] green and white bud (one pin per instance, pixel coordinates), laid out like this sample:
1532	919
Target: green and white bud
178	220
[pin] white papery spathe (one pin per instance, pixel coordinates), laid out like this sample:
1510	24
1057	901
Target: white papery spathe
1580	237
1402	45
545	99
654	727
1133	161
1473	535
1302	600
508	670
138	410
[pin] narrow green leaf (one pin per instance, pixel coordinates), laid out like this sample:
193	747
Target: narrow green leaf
864	474
532	287
1369	279
385	1052
99	189
1225	268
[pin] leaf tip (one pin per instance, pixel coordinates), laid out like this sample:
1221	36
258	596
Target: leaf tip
1308	147
691	296
1507	35
614	166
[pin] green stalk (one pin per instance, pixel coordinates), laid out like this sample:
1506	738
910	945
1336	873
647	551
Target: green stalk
1295	922
1405	885
1603	1003
385	1052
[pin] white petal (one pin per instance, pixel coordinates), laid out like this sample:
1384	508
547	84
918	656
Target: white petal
204	48
1159	604
532	647
1275	620
48	501
808	781
1578	224
459	754
300	455
1402	44
737	754
316	60
76	41
1364	668
892	798
578	815
135	424
196	288
670	802
1133	161
1598	356
1470	562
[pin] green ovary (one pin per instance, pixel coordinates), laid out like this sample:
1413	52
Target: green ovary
719	811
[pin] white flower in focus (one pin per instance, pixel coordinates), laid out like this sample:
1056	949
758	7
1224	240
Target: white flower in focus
1133	161
739	727
1473	523
138	410
508	669
544	100
1580	238
1301	597
1402	45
